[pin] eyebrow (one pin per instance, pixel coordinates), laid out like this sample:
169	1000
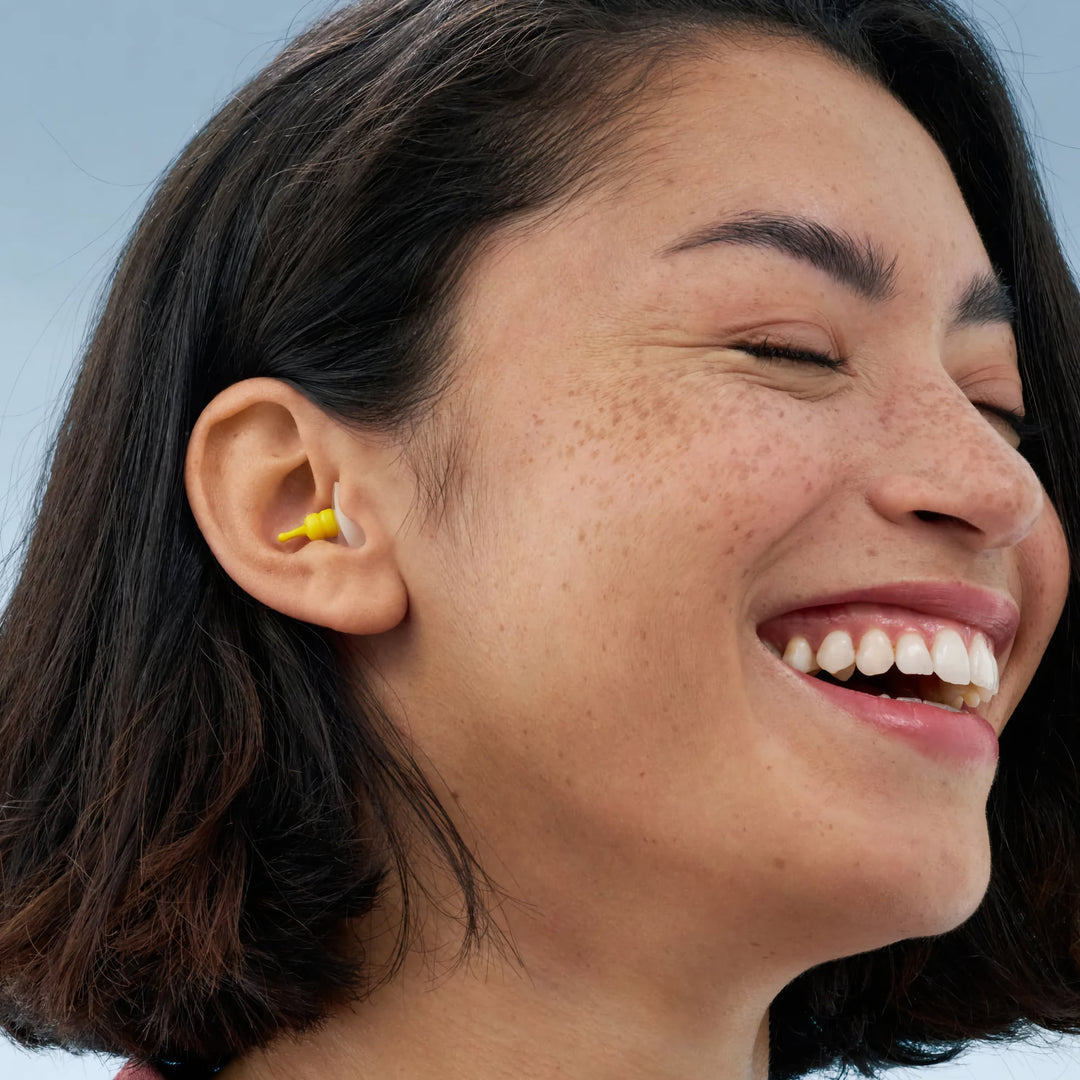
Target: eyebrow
859	265
987	300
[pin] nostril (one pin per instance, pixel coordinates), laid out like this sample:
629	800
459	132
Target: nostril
933	516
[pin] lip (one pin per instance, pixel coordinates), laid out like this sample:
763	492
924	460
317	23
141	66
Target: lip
963	738
996	615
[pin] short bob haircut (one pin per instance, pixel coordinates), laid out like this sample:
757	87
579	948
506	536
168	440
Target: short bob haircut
194	800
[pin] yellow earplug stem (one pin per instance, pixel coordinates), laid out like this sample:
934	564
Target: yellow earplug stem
320	526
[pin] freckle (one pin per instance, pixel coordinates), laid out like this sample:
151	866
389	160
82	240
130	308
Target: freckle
641	776
581	536
538	420
565	586
730	549
871	553
643	634
779	863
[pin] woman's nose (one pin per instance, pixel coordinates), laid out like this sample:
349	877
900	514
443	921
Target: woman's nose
946	463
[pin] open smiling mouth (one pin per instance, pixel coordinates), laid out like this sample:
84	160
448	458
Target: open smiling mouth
888	654
937	716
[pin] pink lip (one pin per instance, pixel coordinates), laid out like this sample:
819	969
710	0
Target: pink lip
995	615
959	737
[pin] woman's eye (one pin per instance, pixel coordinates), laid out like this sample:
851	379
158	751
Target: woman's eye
767	350
1023	430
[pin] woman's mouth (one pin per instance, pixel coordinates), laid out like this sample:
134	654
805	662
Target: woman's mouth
920	676
888	652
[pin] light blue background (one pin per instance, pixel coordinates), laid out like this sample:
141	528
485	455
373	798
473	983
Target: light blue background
97	98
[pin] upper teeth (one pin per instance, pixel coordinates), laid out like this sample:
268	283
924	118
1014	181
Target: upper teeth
967	668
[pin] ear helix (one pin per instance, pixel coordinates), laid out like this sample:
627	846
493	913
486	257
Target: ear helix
327	525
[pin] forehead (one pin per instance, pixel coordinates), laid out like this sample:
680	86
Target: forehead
760	115
757	123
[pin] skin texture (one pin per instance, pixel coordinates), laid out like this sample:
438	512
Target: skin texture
578	663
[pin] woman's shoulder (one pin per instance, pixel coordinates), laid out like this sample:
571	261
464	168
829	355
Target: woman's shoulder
167	1069
133	1070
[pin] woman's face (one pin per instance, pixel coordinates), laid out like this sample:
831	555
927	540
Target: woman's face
584	658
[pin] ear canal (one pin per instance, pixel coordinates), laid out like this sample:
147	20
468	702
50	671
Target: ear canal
350	532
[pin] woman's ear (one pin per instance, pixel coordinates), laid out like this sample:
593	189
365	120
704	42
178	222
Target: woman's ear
260	458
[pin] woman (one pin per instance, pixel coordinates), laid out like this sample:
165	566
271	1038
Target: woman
665	362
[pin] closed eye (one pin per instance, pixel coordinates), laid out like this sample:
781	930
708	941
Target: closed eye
1024	430
767	350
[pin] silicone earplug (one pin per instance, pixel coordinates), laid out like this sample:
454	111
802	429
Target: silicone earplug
351	533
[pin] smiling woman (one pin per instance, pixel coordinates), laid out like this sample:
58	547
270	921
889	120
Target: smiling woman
693	388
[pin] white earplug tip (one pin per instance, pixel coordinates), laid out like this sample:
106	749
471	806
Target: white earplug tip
349	531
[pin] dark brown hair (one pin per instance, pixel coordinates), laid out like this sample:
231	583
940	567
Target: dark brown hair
193	798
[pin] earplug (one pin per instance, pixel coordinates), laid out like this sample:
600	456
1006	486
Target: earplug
351	533
326	525
320	526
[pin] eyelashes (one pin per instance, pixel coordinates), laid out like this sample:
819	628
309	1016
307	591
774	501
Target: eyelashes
1025	430
766	350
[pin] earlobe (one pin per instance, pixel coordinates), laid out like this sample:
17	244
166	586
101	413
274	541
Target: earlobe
261	460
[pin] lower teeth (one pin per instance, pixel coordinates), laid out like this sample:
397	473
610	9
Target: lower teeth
922	701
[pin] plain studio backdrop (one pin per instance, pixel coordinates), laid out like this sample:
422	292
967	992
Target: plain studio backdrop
98	97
